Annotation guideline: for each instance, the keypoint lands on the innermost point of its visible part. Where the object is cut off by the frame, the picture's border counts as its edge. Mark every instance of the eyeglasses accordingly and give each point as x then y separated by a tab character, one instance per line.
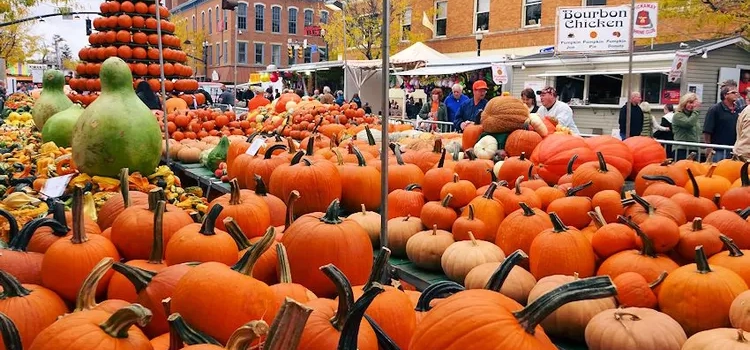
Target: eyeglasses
733	92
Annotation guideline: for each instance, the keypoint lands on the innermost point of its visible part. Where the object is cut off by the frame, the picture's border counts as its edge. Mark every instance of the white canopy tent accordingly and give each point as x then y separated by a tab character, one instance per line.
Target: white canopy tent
418	52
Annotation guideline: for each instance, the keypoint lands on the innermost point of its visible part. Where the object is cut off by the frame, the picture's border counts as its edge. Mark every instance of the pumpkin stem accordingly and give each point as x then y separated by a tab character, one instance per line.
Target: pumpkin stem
745	213
208	227
350	329
696	189
434	230
598	218
157	246
125	187
344	292
701	261
260	186
582	289
364	209
662	178
455	178
181	331
493	176
339	157
471	211
370	138
397	152
490	190
435	291
153	197
293	197
21	241
379	268
501	273
86	298
472	239
441	162
9	331
306	162
717	200
285	272
470	154
297	157
710	172
58	213
734	250
571	162
691	156
246	264
658	280
331	216
384	341
697	224
235	197
574	190
361	161
744	178
557	223
139	277
522	156
710	159
291	147
620	314
269	152
246	335
11	286
79	233
669	161
740	336
647	243
527	210
286	329
530	175
235	231
310	149
518	185
447	200
644	203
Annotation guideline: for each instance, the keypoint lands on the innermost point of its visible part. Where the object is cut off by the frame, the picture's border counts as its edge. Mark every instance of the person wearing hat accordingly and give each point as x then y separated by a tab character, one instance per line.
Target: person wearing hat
558	109
471	110
257	101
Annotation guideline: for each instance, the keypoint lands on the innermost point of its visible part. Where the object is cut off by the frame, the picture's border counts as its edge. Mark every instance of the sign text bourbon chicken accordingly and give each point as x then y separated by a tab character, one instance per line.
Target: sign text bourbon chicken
592	29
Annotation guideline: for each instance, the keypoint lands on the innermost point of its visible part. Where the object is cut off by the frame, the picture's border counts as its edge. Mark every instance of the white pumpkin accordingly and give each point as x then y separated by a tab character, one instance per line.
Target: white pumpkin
486	147
496	168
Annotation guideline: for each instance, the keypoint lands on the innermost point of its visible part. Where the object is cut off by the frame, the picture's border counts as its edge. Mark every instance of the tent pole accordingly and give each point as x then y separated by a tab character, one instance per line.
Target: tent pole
163	79
384	127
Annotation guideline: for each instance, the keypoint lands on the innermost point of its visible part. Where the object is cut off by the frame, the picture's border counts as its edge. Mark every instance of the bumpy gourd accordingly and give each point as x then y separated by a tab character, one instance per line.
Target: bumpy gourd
52	100
59	128
117	130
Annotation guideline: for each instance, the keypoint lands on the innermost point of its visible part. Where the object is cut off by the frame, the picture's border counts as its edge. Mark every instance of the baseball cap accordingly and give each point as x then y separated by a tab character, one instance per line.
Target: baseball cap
479	85
547	90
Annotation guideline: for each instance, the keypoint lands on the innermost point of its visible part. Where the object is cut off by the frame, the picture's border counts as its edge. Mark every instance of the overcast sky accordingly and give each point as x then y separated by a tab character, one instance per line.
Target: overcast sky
73	30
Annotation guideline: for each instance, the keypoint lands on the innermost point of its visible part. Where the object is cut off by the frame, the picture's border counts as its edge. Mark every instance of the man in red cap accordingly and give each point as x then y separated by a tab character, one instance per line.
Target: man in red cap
470	111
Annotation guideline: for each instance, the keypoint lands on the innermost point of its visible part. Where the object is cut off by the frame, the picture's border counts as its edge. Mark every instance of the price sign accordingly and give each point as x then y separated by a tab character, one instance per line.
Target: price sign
55	187
255	146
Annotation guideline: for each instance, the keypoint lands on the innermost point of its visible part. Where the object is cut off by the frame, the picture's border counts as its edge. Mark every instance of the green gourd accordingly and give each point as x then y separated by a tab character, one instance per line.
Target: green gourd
52	100
59	128
117	130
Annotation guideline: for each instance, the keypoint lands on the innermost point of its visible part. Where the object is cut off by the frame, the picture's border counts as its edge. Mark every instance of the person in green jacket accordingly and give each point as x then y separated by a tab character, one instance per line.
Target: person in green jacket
685	124
435	109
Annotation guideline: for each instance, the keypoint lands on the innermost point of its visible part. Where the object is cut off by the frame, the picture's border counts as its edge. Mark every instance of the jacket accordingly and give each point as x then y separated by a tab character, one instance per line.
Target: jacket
685	127
636	120
442	112
469	112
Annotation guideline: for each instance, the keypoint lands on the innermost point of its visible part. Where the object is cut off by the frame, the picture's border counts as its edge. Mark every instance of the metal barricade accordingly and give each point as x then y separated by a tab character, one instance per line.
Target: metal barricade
424	124
685	148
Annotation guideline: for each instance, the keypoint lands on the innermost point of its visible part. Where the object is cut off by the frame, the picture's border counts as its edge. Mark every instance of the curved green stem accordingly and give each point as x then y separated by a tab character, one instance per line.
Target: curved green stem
332	214
286	330
310	150
86	298
658	280
557	223
385	342
236	233
490	192
118	324
441	162
571	163
247	262
527	210
297	157
648	244
21	241
11	286
289	217
260	186
435	291
662	178
644	203
397	153
379	268
285	271
602	163
574	190
79	233
274	148
701	261
208	227
501	273
447	200
9	331
157	246
734	250
243	337
187	334
696	189
125	186
344	292
350	329
139	277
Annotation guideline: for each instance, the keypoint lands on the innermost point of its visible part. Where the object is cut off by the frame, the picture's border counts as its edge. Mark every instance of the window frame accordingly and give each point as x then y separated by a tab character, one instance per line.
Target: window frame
210	22
524	6
404	24
225	52
226	19
238	16
662	86
292	20
476	17
195	23
209	54
272	19
262	16
327	16
256	45
436	19
240	51
304	17
218	53
307	55
585	3
273	61
203	19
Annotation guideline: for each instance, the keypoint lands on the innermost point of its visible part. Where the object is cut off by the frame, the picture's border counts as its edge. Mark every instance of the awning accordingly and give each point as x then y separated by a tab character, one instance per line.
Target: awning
601	72
444	70
418	52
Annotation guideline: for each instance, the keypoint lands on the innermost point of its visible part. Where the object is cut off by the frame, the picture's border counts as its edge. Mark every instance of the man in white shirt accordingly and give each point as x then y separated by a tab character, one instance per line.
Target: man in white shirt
558	109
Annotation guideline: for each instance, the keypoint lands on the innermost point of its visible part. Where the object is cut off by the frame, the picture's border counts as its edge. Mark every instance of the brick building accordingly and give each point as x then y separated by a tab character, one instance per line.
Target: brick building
262	30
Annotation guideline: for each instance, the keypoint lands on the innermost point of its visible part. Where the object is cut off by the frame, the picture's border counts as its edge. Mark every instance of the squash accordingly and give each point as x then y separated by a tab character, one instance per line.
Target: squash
718	338
425	249
462	256
175	104
400	229
486	147
634	328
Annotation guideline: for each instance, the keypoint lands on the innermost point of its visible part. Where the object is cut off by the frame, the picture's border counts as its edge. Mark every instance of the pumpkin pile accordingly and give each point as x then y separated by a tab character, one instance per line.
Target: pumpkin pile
128	30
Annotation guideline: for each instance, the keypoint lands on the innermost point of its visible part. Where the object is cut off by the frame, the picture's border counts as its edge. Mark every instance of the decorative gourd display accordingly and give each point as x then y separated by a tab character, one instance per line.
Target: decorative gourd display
109	138
59	127
634	328
462	256
504	114
52	100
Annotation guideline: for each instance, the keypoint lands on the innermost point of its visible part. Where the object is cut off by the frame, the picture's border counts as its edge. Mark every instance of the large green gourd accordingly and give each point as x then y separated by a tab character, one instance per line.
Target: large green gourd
52	100
59	128
117	130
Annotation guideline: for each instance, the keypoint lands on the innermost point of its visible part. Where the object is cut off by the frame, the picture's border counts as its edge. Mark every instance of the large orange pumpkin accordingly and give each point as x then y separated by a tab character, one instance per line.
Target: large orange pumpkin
284	99
551	156
645	151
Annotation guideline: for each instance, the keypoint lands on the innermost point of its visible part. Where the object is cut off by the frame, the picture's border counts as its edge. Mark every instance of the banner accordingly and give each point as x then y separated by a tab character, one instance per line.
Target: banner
678	65
592	29
499	73
646	18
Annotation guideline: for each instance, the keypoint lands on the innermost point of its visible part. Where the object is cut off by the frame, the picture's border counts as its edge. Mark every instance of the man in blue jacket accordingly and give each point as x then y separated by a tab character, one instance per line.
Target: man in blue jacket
454	100
471	110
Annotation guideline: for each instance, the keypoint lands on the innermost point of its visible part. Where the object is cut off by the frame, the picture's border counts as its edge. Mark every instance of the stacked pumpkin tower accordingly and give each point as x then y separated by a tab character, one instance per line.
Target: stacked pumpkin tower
127	29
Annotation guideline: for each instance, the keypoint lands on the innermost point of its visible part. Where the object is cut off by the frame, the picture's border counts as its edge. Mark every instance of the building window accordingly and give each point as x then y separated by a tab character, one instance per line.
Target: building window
292	20
308	55
607	91
242	52
570	87
242	16
203	20
210	24
218	24
209	54
595	2
276	55
218	55
532	13
324	17
406	24
276	19
657	89
226	19
308	17
259	16
441	18
195	23
482	15
226	53
259	53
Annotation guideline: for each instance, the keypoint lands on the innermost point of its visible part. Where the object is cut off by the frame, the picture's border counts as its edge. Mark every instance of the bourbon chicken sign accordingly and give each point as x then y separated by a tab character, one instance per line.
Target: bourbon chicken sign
592	29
